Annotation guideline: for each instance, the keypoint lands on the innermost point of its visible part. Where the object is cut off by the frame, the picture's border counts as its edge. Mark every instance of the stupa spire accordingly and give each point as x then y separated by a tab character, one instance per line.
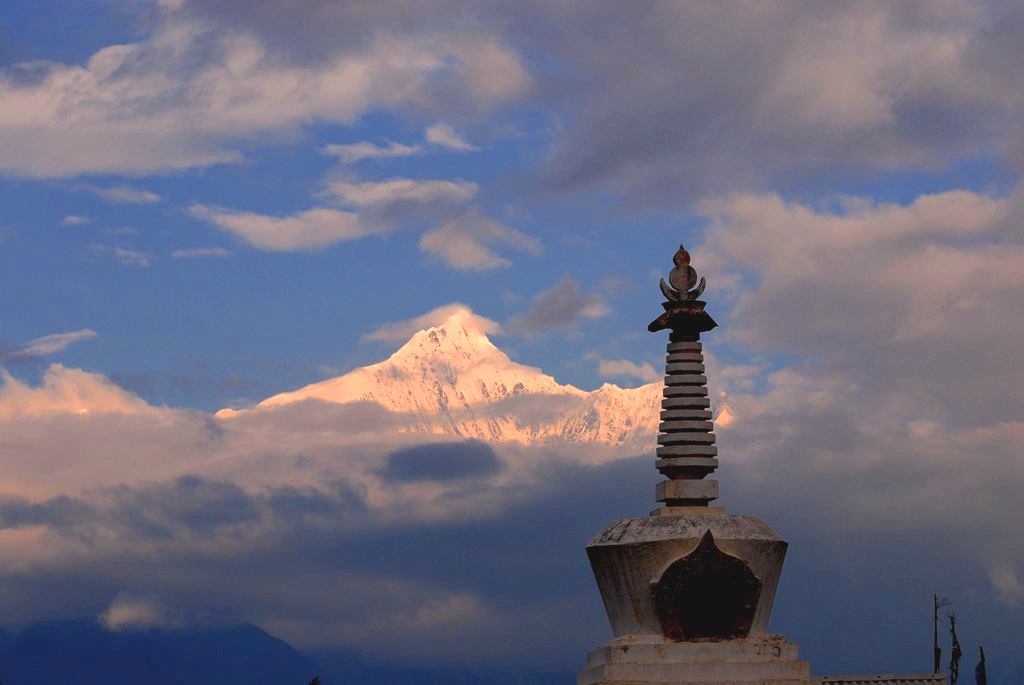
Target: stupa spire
686	440
689	588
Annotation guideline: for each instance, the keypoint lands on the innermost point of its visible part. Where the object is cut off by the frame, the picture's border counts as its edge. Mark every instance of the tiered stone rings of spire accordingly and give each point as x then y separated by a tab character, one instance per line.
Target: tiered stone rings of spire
686	440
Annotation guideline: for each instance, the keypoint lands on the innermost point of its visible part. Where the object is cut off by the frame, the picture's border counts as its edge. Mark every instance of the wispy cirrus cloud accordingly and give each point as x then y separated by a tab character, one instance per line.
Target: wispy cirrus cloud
200	253
466	242
49	344
463	238
363	194
371	208
446	137
438	136
124	255
308	230
351	153
121	194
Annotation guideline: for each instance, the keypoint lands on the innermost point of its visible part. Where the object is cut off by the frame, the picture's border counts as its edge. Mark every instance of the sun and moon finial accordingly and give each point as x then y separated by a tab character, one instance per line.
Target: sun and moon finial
684	313
681	279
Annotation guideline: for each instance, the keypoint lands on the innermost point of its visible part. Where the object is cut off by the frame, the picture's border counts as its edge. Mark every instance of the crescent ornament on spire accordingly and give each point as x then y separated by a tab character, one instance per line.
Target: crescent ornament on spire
681	279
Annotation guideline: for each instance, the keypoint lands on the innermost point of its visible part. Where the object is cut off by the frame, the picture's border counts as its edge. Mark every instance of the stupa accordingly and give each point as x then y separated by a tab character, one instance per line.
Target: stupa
689	588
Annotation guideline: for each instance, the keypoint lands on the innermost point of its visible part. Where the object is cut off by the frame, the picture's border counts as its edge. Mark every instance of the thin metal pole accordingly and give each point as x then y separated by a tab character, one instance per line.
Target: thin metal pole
936	650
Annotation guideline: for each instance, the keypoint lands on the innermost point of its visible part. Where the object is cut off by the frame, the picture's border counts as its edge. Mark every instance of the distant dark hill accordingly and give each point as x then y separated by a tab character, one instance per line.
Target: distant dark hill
84	653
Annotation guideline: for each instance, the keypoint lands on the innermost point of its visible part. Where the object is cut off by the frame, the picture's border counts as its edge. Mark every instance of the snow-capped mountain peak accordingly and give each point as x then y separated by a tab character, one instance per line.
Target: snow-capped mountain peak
451	379
458	341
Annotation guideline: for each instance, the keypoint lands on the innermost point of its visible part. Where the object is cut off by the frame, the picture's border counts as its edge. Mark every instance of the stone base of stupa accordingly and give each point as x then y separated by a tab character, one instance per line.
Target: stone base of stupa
650	660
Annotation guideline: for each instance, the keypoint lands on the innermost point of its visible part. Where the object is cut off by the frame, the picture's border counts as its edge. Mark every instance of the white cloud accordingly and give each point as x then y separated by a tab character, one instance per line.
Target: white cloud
563	305
131	257
623	368
450	314
51	344
840	87
309	230
445	136
134	499
121	230
75	220
122	194
1006	582
198	90
355	152
465	242
231	510
724	415
464	239
892	332
438	135
399	190
124	255
940	264
911	313
128	612
66	391
200	253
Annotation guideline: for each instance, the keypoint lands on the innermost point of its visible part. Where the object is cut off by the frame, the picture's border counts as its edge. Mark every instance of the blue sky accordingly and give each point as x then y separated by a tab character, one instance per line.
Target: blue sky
252	322
274	320
208	202
247	322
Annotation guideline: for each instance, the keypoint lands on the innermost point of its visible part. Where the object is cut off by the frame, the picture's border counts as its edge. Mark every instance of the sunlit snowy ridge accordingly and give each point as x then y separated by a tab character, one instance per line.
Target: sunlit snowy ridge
451	379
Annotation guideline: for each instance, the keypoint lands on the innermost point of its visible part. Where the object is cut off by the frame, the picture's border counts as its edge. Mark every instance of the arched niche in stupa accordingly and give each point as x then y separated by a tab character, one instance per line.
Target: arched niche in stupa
707	594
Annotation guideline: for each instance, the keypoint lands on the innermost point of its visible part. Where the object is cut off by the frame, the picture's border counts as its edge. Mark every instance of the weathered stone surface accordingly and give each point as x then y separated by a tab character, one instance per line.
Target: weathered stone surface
883	679
685	357
686	379
660	582
759	659
700	414
685	391
631	554
686	439
687	451
689	589
692	468
686	403
668	490
684	367
688	510
680	424
640	650
702	462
